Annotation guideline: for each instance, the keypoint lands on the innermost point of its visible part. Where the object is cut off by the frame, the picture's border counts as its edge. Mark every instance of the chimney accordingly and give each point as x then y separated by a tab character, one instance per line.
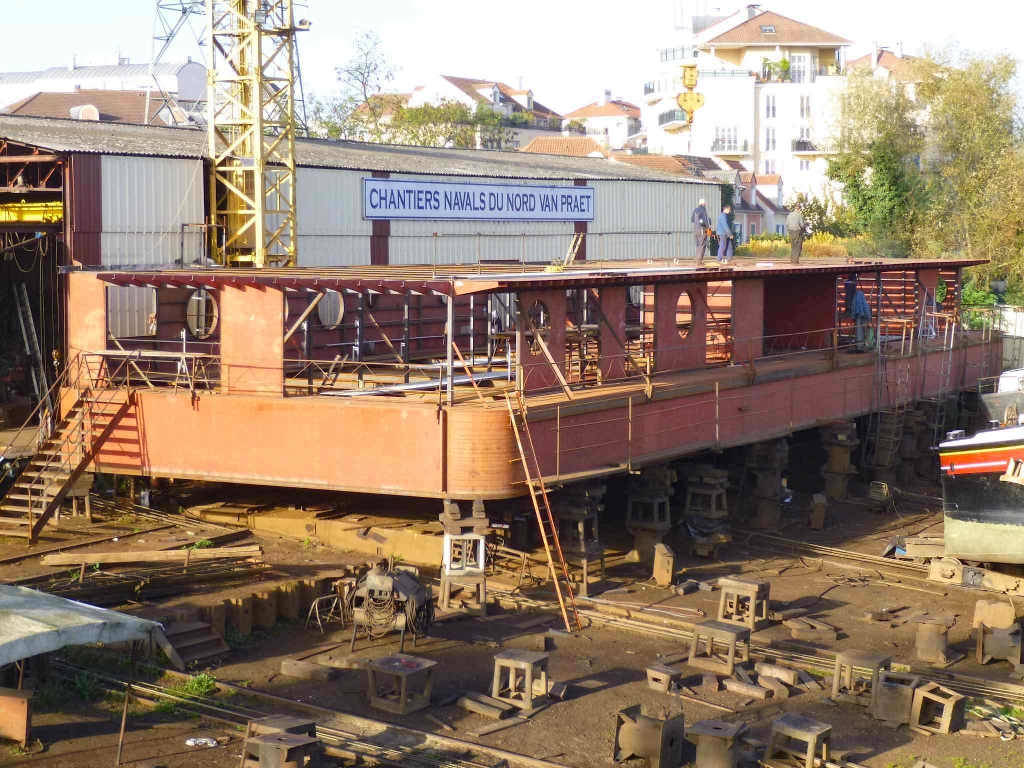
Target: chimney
874	54
606	96
71	64
520	83
899	50
752	10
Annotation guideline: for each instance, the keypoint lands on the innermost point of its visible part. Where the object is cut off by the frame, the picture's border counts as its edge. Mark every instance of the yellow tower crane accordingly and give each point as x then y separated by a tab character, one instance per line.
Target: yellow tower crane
253	77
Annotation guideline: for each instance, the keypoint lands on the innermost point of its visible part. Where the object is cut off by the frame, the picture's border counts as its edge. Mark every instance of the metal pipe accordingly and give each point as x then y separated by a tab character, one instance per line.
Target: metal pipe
450	333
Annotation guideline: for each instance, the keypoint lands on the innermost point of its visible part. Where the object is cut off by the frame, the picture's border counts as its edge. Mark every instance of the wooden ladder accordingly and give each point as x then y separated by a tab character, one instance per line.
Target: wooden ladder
545	519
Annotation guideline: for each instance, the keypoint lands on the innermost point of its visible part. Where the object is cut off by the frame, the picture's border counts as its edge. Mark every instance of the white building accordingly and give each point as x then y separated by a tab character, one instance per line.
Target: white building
770	86
187	80
526	116
609	121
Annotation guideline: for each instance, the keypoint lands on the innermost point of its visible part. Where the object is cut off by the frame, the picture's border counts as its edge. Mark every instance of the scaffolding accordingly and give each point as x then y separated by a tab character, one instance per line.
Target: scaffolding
251	118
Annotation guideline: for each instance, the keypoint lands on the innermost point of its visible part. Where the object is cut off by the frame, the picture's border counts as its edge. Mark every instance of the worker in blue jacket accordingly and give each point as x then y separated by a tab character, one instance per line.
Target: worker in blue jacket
725	236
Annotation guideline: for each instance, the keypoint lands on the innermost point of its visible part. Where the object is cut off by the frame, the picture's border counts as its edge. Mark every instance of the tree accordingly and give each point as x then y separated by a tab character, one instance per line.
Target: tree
448	124
361	108
975	159
879	145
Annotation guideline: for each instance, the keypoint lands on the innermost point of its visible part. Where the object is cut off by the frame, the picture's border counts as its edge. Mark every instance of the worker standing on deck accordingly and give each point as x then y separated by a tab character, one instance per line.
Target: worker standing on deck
861	313
795	228
725	236
701	227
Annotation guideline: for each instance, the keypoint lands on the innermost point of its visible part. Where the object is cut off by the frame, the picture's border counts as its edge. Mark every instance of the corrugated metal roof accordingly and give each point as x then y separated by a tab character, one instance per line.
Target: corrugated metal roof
104	70
123	139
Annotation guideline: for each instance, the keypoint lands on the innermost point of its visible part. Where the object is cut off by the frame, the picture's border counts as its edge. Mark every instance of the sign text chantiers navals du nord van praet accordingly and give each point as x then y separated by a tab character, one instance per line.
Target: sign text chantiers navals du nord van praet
441	200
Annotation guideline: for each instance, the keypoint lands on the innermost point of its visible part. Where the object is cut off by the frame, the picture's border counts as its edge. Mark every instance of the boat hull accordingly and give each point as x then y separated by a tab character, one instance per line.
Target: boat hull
984	517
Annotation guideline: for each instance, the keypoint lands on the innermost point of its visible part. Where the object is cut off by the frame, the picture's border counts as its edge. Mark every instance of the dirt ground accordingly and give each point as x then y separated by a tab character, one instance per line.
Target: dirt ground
604	666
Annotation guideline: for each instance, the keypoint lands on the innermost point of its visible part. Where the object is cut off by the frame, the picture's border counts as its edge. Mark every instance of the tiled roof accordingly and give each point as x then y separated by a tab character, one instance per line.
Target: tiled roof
769	179
901	68
666	163
608	109
567	146
787	32
470	86
736	165
770	204
113	106
701	163
70	136
746	176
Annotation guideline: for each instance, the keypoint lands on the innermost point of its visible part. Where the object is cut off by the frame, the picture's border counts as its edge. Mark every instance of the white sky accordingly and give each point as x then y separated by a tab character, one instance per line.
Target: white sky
567	51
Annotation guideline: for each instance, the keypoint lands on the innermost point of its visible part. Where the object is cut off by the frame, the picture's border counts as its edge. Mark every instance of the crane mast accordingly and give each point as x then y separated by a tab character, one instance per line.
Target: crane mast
251	124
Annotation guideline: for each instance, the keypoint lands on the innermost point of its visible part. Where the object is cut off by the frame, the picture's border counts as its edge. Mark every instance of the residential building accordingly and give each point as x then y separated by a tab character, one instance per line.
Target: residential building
770	86
684	165
186	80
567	146
102	105
888	64
610	121
526	116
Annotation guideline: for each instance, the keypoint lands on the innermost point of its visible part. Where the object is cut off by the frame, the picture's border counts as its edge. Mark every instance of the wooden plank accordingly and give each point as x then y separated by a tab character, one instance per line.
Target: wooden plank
746	689
153	556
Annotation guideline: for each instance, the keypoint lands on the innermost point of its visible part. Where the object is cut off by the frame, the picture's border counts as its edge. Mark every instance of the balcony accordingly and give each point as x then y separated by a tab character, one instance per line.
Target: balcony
649	88
810	147
674	119
799	75
677	54
730	147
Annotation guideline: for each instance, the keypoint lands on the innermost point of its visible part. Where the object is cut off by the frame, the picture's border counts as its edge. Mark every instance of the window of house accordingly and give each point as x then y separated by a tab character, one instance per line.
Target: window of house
805	165
768	29
769	139
737	231
798	68
769	166
805	133
753	230
805	105
769	105
779	229
726	139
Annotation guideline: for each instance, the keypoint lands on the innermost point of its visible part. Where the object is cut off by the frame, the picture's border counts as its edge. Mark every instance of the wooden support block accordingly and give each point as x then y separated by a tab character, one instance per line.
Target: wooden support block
787	614
746	689
808	681
785	674
264	611
307	670
777	687
159	556
743	676
216	616
288	601
241	615
711	683
487	710
309	593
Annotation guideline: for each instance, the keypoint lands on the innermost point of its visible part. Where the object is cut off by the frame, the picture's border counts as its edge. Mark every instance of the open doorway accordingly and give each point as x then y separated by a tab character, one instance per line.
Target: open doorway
719	323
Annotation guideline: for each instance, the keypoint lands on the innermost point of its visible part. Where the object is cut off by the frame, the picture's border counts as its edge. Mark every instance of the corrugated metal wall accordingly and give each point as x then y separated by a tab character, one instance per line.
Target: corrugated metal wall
646	220
145	202
332	231
467	242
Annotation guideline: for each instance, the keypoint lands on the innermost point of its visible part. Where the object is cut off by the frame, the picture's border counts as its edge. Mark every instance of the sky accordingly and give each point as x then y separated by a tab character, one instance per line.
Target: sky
567	51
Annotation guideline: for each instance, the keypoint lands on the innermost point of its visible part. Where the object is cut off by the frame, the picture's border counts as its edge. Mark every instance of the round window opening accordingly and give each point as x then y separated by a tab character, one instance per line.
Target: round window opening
684	314
202	314
331	310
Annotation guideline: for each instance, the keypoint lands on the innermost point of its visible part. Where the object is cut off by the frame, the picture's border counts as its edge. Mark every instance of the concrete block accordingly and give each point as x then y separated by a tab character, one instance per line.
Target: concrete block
711	683
993	613
746	689
785	674
894	697
308	670
240	616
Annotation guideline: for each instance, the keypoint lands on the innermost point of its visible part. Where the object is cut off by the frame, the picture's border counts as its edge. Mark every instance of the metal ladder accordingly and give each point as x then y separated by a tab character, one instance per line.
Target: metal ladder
37	369
944	376
545	519
893	395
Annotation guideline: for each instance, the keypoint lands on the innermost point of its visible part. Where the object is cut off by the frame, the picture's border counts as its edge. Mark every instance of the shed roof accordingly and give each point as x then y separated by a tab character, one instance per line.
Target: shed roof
113	106
34	622
100	70
76	136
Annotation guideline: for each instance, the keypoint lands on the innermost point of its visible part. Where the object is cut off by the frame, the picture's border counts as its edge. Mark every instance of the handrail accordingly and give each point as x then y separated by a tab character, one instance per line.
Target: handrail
48	397
69	437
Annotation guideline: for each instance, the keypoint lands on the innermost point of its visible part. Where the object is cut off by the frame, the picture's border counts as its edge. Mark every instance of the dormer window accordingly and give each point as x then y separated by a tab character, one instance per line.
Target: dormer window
529	100
496	95
768	29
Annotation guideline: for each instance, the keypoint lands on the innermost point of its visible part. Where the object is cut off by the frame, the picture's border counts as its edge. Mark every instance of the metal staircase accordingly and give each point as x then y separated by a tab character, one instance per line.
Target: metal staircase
945	326
545	519
63	450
